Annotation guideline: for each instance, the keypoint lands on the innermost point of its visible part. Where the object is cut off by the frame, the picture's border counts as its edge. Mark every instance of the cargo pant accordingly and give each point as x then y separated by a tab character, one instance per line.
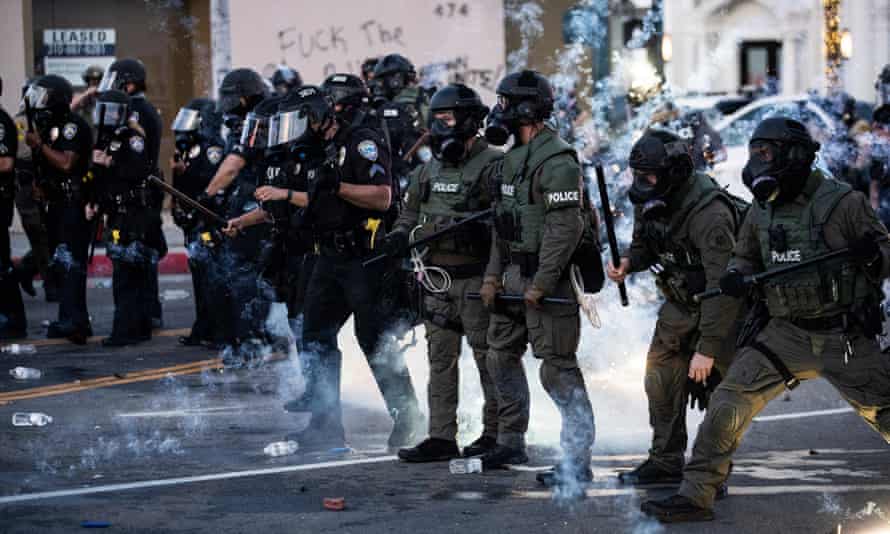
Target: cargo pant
448	317
752	381
554	332
667	368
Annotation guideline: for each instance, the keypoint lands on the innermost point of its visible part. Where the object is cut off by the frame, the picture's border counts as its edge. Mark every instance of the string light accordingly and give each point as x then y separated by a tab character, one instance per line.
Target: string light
833	56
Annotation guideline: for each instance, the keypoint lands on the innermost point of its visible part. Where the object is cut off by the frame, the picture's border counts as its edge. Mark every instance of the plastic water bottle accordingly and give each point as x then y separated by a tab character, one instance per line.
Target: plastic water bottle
31	419
15	348
25	373
281	448
465	466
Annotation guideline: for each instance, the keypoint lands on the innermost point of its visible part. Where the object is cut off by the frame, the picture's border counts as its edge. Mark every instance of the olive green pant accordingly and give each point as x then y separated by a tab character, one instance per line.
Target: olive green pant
752	381
31	214
667	368
554	332
447	318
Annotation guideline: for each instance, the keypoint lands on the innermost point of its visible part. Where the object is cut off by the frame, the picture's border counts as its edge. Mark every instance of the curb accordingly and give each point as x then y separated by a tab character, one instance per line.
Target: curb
175	262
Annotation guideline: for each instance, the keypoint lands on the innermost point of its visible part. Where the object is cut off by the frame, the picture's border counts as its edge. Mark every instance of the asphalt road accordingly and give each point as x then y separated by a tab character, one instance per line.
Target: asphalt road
181	449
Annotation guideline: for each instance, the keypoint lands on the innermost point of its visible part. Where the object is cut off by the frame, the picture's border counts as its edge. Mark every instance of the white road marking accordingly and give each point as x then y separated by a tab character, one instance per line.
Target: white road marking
188	480
800	415
187	412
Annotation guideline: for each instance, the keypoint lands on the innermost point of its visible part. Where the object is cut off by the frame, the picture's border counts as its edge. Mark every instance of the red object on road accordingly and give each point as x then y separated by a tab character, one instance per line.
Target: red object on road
334	504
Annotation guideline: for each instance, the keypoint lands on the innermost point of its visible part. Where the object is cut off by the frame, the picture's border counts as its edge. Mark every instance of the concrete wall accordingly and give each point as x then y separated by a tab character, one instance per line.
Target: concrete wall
15	24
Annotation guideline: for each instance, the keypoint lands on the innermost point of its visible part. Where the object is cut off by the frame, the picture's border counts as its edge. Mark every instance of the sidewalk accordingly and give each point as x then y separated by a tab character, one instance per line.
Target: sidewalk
175	262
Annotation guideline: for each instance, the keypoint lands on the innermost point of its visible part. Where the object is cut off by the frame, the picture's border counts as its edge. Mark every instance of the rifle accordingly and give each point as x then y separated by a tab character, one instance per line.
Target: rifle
610	228
416	146
757	278
520	298
188	201
436	235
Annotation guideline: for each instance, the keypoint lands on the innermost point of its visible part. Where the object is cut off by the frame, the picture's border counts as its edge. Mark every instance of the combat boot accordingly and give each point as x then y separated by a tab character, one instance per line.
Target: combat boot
481	446
649	473
430	450
566	475
676	509
501	456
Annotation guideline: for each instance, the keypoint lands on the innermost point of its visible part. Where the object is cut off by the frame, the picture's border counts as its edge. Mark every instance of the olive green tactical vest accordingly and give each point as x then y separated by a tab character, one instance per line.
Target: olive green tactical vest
410	96
823	290
671	242
449	193
517	179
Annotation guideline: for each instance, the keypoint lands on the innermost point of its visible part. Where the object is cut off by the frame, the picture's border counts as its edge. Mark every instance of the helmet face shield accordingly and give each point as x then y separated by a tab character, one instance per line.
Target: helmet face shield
254	131
109	114
187	120
37	97
287	126
108	81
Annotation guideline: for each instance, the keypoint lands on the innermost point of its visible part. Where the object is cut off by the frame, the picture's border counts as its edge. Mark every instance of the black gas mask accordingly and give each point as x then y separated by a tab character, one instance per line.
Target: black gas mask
660	163
184	141
497	131
776	172
449	143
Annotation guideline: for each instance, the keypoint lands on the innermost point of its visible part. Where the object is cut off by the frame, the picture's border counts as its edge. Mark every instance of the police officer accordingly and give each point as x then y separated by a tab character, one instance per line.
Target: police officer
684	229
538	226
198	154
61	147
822	319
704	141
368	69
446	189
84	102
128	75
12	310
121	167
349	190
285	80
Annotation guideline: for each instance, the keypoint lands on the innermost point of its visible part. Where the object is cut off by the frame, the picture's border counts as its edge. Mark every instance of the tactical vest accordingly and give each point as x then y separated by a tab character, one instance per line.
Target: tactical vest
450	193
684	274
829	288
518	217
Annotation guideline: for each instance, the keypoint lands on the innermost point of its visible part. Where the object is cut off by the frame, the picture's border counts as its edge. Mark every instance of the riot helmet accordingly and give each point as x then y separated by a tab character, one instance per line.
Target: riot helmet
392	74
239	92
198	117
524	98
882	86
92	75
349	94
49	99
302	116
368	66
255	128
285	80
780	155
661	163
112	110
456	114
122	72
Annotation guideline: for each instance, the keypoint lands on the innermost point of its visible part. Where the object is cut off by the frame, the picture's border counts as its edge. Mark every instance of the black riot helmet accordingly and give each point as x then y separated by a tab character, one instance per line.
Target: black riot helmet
349	94
240	84
255	128
780	155
112	109
122	72
301	119
368	66
49	99
196	119
92	74
661	162
524	98
882	86
392	74
448	139
285	80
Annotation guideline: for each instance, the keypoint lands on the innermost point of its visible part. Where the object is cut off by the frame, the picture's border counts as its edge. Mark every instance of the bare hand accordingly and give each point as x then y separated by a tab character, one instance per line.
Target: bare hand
491	286
533	297
177	166
618	274
90	211
33	140
700	367
267	193
101	158
233	228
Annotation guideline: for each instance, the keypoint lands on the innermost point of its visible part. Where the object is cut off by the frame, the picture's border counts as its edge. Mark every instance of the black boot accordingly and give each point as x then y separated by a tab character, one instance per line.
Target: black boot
430	450
501	456
649	473
481	446
568	474
676	509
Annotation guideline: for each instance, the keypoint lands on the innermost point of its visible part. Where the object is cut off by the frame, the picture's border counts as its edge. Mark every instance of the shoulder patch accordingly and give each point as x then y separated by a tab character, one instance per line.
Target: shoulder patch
720	239
425	153
368	150
214	154
69	131
137	143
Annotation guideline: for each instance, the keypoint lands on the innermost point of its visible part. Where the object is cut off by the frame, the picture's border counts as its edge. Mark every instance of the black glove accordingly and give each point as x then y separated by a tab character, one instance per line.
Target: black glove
866	250
733	284
396	244
700	393
327	182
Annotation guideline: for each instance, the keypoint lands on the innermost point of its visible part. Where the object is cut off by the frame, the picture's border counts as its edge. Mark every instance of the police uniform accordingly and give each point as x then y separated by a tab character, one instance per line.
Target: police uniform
817	326
150	121
441	193
201	161
339	287
692	247
68	229
539	224
12	310
130	239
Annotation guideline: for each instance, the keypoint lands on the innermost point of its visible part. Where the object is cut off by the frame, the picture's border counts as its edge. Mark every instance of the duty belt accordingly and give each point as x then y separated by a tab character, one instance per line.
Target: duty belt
349	243
823	323
133	196
527	262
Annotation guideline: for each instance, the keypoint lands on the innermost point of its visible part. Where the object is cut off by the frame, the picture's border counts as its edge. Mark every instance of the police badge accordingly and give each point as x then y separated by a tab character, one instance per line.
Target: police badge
69	131
368	150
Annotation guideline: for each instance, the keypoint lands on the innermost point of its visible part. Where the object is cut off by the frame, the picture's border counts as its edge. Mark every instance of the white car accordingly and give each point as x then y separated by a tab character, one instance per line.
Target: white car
736	129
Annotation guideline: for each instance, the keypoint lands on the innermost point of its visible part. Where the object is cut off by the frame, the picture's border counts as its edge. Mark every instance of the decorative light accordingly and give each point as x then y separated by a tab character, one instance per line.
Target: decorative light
846	44
667	48
833	57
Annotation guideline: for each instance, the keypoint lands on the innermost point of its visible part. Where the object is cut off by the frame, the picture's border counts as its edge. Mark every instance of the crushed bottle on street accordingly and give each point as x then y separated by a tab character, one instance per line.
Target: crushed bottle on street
25	373
281	448
31	419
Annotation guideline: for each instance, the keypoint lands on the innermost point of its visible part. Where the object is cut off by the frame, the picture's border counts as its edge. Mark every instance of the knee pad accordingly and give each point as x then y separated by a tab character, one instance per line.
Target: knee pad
560	383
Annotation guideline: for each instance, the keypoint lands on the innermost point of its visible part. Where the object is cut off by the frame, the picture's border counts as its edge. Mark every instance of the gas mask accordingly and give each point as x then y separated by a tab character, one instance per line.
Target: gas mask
497	131
184	141
649	190
761	174
658	167
449	143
